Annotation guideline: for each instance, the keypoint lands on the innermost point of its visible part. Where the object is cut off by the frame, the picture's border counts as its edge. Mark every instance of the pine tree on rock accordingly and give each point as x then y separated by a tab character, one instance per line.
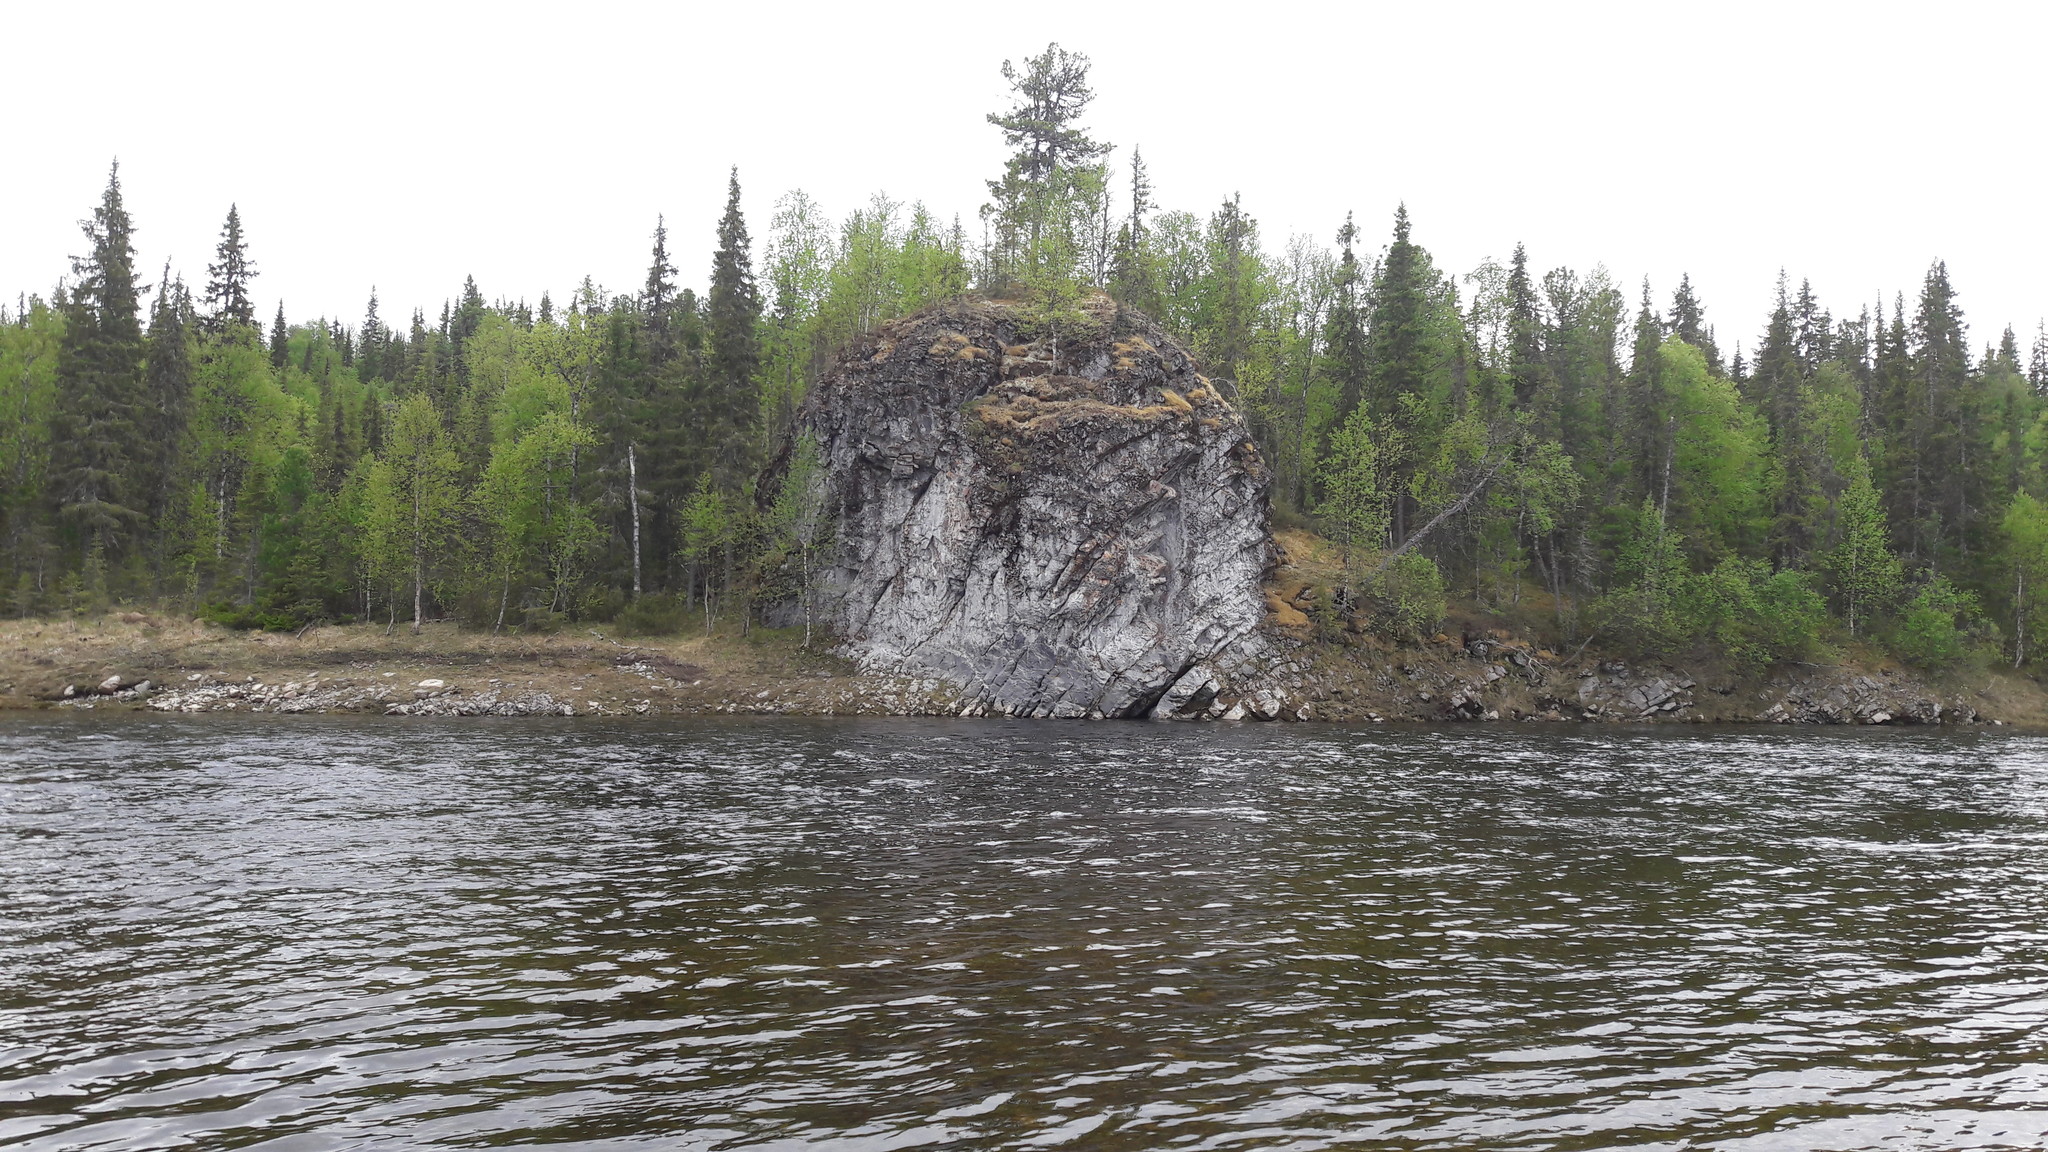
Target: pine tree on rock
1051	93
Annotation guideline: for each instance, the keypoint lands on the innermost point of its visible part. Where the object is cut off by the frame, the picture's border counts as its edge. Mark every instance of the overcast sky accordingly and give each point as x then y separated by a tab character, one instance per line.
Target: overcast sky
407	145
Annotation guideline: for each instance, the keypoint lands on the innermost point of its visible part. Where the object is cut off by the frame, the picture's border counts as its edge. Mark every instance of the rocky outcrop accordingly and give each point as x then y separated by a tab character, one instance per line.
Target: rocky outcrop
1069	524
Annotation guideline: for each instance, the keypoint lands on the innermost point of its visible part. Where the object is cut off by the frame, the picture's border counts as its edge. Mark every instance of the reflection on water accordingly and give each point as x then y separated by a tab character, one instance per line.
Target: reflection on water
788	934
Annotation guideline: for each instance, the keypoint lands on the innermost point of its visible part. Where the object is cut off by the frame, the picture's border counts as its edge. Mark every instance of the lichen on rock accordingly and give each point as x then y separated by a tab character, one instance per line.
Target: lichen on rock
1071	526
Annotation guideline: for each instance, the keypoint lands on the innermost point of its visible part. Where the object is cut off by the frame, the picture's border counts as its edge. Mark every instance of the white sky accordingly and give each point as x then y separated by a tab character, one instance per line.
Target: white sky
407	145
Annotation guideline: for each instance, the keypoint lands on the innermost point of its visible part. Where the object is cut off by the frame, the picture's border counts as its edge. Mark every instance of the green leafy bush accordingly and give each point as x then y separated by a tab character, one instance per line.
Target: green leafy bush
1755	616
1938	625
1407	599
252	617
650	616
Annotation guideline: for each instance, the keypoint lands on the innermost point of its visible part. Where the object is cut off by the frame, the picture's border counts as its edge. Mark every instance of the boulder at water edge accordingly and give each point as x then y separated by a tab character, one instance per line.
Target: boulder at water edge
1066	522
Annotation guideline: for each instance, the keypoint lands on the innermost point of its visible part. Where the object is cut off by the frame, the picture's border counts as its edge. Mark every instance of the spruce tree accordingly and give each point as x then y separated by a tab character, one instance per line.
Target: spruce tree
2037	360
167	384
1344	338
97	440
1397	335
1688	322
658	303
733	316
1942	427
227	283
1527	372
1815	329
280	340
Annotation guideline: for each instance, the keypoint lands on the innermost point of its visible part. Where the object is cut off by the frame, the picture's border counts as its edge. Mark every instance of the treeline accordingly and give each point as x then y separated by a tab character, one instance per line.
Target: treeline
1540	443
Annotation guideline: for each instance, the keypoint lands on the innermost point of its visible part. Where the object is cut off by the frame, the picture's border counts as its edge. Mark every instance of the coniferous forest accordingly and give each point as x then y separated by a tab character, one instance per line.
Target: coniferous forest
1602	459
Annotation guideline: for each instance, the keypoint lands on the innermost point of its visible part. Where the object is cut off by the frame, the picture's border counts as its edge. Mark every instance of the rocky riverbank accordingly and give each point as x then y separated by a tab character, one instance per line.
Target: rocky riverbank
149	663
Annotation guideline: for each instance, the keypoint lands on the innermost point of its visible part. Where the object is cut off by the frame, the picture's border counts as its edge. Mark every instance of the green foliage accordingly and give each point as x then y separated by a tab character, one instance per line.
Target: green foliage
1864	575
1354	498
1938	625
1642	612
651	616
1753	616
2024	529
250	617
1407	601
527	467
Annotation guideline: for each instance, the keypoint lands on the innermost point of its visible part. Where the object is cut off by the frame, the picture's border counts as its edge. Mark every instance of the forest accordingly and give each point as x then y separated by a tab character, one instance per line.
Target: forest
1551	446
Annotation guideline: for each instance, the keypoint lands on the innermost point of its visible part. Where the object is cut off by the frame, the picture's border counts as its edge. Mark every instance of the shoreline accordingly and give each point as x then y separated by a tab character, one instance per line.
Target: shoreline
148	663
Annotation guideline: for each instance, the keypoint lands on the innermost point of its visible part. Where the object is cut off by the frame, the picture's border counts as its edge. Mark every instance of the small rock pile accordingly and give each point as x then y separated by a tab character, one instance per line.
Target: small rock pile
1861	700
431	697
113	688
1615	692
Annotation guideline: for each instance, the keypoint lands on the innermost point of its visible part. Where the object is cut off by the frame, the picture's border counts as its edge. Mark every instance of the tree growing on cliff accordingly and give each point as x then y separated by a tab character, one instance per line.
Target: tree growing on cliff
1048	183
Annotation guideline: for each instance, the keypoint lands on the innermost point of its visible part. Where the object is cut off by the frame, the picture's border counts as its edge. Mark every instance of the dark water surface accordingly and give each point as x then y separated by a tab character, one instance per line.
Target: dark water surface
308	934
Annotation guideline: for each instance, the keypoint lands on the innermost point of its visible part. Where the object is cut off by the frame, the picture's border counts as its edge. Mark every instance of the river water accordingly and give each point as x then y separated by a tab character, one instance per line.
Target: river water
224	932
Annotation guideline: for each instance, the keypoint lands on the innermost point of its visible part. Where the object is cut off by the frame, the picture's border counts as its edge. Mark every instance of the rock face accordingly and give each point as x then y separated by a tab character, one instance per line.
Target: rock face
1066	526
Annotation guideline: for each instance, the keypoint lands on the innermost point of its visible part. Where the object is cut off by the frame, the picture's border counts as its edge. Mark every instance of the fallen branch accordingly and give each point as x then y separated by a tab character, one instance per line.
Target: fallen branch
612	642
1573	658
1456	506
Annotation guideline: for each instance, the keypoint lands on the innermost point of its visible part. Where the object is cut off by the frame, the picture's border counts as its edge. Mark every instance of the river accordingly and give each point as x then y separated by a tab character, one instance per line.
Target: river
314	933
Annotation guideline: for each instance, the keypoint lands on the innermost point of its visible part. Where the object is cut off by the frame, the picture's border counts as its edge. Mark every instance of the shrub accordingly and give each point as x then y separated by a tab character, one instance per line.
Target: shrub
1938	625
252	617
650	616
1754	615
1407	599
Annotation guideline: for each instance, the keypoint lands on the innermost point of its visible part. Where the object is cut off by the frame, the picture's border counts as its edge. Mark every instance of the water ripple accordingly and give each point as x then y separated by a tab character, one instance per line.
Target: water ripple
219	932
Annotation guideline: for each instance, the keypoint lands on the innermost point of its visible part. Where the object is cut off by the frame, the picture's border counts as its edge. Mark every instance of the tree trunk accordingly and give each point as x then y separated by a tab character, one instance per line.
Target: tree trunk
1457	506
2019	620
633	498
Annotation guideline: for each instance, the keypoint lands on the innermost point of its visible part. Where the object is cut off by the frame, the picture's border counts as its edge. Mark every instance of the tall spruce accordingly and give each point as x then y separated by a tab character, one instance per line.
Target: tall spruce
1688	322
1397	353
658	302
96	437
167	384
733	316
228	277
1527	373
280	340
1344	338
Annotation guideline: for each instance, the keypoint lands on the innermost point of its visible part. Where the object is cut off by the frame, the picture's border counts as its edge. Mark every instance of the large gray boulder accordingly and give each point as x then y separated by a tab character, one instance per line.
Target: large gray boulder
1071	526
